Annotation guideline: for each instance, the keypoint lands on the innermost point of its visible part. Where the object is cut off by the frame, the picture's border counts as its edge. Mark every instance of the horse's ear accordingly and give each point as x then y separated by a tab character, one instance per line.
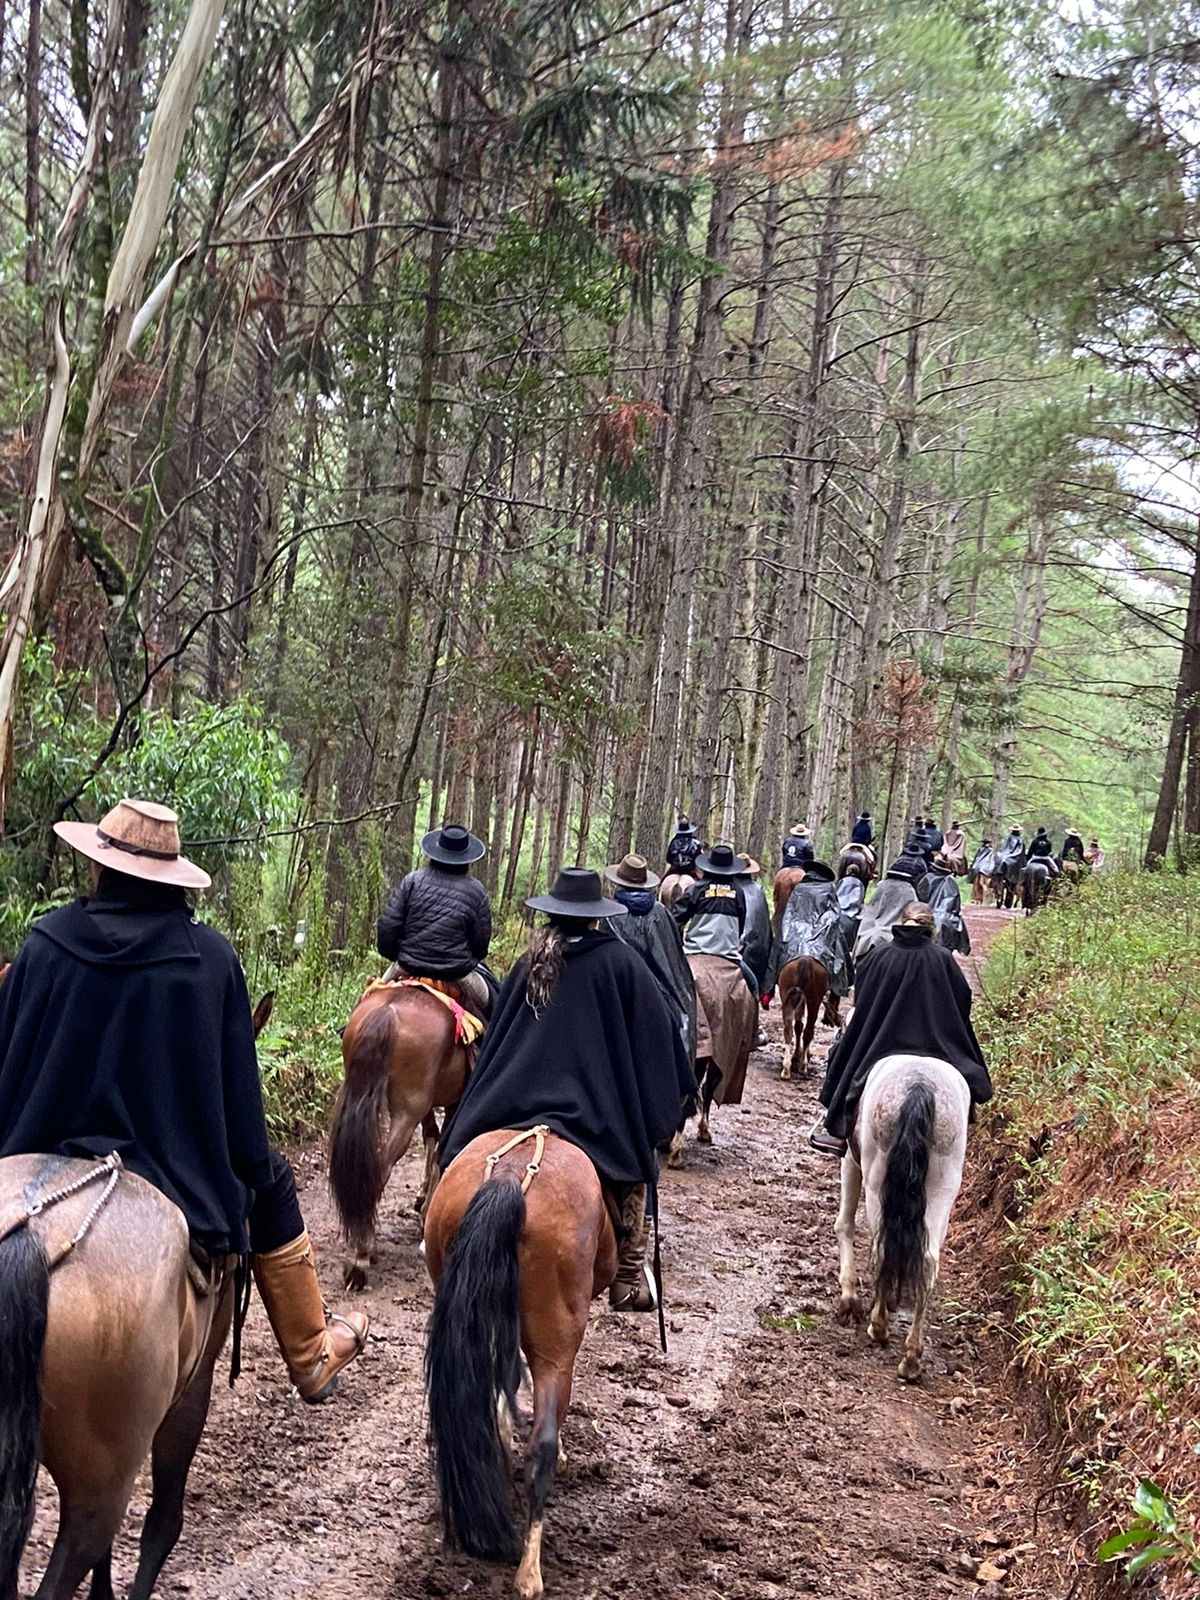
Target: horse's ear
262	1012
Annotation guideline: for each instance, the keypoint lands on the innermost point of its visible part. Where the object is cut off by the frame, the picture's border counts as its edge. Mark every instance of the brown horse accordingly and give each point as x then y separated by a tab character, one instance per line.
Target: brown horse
515	1272
673	886
803	985
113	1332
402	1060
854	862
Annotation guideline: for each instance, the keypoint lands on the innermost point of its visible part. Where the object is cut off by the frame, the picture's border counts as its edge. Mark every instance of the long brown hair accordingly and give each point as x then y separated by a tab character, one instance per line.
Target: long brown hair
545	958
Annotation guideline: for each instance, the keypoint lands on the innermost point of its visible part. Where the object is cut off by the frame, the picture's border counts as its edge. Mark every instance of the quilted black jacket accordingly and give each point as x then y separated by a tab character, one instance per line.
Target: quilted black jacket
437	922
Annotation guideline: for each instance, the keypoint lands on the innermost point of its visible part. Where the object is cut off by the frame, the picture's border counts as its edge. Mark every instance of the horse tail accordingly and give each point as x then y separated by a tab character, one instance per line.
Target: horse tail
472	1358
24	1301
356	1171
902	1241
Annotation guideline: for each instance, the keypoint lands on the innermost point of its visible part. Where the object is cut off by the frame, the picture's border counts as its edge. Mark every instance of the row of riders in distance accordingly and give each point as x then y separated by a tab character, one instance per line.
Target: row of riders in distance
140	1195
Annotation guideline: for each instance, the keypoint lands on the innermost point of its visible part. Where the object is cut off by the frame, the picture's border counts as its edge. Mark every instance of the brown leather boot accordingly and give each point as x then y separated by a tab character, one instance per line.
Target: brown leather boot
633	1287
315	1351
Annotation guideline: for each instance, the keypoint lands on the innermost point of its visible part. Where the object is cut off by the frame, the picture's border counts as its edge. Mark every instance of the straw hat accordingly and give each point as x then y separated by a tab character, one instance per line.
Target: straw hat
632	872
138	838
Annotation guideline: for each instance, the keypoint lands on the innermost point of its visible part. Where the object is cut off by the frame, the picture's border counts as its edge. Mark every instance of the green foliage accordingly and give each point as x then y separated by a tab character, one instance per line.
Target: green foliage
1091	1024
1153	1538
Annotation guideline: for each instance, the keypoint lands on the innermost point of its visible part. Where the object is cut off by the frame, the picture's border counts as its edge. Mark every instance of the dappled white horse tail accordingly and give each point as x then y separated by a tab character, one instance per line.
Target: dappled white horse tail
903	1237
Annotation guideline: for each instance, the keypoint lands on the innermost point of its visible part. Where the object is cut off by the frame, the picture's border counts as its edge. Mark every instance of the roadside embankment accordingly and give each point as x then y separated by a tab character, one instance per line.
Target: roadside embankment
1085	1189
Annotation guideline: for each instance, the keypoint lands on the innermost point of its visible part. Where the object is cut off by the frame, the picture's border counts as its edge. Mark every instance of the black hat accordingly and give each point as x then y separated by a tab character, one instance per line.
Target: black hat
577	892
685	826
453	846
721	862
864	816
819	872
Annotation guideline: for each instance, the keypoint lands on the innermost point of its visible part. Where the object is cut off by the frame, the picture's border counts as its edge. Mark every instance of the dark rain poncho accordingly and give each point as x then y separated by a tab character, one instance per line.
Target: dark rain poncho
811	925
125	1026
939	890
756	935
911	999
603	1064
852	894
650	929
882	913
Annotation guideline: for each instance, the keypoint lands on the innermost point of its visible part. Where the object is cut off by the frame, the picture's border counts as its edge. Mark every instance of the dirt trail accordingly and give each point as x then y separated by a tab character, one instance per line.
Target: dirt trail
769	1453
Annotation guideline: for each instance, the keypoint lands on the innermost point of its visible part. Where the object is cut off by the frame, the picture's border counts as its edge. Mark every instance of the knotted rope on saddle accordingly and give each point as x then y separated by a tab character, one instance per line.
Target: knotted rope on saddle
468	1028
538	1135
110	1169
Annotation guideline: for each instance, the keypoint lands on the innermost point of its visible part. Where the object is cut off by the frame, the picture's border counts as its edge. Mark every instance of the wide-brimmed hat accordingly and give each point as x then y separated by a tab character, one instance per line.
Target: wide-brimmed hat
720	862
632	872
453	846
577	892
864	816
140	839
750	867
819	872
1075	831
799	831
686	826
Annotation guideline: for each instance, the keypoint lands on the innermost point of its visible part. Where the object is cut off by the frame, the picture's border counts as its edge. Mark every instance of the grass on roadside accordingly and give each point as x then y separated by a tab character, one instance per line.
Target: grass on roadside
1091	1023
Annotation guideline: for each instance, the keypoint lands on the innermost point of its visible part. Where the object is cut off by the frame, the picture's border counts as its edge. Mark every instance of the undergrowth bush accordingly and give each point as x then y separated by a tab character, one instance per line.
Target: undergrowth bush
1091	1023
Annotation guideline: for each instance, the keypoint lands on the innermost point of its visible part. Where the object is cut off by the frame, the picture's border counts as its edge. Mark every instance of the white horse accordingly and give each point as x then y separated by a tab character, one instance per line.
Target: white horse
907	1150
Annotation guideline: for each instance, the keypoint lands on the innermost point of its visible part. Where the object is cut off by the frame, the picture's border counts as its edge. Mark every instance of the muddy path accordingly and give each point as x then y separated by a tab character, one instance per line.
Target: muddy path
768	1453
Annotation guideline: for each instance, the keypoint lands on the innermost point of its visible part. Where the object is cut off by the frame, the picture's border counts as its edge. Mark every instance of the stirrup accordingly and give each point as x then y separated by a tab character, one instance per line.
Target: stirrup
325	1391
633	1292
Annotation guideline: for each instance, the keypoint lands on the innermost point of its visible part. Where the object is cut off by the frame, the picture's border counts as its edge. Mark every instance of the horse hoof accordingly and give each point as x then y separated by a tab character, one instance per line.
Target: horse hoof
354	1276
675	1160
786	1074
877	1332
849	1312
703	1135
528	1588
910	1369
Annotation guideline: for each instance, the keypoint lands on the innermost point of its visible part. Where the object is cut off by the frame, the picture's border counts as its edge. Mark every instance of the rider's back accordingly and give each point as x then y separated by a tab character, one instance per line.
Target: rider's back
437	922
125	1026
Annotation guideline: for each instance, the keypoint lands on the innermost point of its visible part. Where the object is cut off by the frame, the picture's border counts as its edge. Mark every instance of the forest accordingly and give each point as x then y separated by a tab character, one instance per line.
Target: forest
547	416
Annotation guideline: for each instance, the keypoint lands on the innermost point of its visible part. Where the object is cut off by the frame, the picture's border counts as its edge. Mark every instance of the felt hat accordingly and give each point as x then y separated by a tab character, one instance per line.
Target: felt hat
1074	833
750	867
720	862
577	892
140	839
632	872
453	846
864	816
819	872
799	831
686	826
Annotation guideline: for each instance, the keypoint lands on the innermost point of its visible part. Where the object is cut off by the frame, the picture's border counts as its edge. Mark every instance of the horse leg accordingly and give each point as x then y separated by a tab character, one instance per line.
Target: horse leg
430	1134
849	1306
551	1396
102	1588
941	1189
675	1155
833	1005
401	1128
175	1445
812	1001
711	1079
87	1526
788	1007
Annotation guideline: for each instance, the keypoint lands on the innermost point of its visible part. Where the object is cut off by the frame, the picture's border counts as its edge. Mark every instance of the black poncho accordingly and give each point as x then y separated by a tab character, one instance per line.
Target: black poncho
912	999
811	925
649	928
603	1064
125	1026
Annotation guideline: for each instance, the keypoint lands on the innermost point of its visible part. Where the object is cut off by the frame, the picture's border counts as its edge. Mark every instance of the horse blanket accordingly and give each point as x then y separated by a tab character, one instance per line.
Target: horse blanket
811	925
882	913
726	1022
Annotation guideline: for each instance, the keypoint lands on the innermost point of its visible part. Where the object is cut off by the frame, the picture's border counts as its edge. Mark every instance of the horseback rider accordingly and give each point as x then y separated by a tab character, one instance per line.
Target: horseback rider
934	834
954	848
1072	849
894	893
1094	855
1042	849
438	923
797	849
939	890
125	1026
582	1042
684	847
863	831
911	999
712	914
648	927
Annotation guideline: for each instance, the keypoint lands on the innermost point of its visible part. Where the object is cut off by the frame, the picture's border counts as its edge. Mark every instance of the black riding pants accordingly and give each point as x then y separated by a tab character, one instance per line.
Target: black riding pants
275	1216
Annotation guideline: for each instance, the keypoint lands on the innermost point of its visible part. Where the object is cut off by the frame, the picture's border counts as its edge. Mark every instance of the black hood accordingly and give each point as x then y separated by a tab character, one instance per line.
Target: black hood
140	932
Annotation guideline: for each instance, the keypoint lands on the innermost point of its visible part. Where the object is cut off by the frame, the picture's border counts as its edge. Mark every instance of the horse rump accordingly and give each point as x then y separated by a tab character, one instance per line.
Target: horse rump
472	1360
902	1241
24	1303
356	1169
